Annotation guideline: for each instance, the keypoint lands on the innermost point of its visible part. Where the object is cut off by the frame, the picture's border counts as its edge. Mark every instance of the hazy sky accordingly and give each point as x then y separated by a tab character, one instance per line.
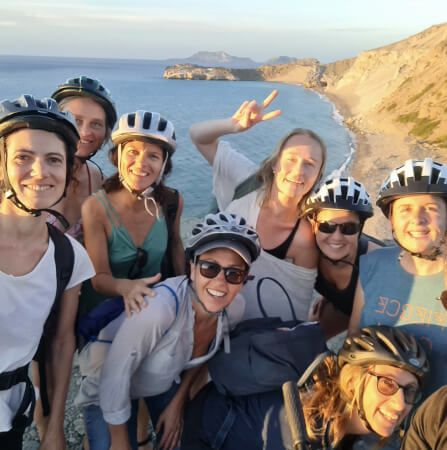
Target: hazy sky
261	29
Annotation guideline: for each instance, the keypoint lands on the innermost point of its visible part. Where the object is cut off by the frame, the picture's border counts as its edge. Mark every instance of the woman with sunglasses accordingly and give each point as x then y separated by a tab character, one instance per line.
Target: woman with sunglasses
37	147
94	110
338	210
401	286
369	388
273	204
130	225
180	329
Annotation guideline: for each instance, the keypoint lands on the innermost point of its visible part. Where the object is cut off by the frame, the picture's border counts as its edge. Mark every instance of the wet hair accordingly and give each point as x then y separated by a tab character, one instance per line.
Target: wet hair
113	183
265	172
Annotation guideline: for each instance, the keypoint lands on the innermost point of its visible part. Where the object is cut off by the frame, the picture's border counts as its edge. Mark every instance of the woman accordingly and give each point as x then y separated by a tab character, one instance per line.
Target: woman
130	226
37	146
369	388
179	329
285	273
400	286
94	110
338	210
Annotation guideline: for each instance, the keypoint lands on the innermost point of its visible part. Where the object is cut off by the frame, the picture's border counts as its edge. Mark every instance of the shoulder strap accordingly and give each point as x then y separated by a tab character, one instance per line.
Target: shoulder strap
110	211
170	208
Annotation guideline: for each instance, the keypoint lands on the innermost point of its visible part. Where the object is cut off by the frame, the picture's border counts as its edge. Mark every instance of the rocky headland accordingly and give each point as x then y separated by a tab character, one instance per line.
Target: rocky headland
394	98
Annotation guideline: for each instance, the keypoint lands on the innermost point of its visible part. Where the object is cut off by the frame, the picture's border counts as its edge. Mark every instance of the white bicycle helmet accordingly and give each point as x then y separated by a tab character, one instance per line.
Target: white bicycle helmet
341	193
145	124
224	230
414	177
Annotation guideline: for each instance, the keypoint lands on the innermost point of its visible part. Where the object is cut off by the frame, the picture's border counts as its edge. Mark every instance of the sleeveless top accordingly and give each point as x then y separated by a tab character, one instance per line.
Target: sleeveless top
122	253
342	299
281	250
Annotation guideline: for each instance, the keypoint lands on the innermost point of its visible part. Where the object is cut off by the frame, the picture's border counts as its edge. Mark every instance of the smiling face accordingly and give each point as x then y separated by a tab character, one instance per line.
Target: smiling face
36	164
336	245
90	122
385	413
141	163
216	293
298	166
419	222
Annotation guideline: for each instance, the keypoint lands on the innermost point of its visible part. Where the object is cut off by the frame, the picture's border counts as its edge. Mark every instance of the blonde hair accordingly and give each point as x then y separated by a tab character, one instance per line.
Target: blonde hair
332	398
265	172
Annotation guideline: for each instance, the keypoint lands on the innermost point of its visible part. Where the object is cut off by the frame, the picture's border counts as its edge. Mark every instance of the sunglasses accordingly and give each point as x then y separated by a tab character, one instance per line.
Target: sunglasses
232	275
348	228
136	269
389	386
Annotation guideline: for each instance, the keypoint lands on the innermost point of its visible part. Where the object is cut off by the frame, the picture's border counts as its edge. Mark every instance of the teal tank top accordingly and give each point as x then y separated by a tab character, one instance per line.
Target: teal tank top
122	253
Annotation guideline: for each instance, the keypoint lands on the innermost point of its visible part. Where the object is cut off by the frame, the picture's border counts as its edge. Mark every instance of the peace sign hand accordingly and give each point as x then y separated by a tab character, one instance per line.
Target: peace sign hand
250	113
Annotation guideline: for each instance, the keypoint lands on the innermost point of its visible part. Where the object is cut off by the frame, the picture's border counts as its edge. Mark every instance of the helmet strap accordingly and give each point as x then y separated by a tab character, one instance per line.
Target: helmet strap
432	256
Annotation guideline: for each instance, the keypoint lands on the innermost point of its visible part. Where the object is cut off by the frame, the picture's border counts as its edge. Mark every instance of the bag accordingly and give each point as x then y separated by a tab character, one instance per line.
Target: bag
64	260
170	208
265	353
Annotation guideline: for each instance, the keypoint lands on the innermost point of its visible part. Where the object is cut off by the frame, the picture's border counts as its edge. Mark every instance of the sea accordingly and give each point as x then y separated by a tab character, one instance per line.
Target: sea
139	84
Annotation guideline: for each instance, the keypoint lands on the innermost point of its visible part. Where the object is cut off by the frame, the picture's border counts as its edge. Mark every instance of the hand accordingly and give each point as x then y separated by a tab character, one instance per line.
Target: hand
171	420
250	113
53	439
134	291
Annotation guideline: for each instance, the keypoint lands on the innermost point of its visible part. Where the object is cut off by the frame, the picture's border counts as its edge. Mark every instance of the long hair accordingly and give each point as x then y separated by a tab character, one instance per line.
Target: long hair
265	172
113	183
332	397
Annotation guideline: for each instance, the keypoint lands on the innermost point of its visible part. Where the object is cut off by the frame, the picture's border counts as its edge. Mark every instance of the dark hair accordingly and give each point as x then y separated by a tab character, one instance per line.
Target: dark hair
113	183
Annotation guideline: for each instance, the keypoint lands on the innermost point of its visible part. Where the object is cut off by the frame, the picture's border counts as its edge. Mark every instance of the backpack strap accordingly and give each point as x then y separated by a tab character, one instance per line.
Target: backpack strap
170	209
64	260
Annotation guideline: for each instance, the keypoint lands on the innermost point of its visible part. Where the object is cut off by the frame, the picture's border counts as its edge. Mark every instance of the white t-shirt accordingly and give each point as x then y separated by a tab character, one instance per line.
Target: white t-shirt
26	304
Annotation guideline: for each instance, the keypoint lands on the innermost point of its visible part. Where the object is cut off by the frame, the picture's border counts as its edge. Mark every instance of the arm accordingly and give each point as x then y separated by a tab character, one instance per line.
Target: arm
177	251
119	437
205	135
60	365
303	250
94	220
359	303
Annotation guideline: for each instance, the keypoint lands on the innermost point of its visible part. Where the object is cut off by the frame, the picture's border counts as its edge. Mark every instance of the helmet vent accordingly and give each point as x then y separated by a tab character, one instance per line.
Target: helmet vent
356	196
131	120
417	173
162	124
402	180
435	174
147	118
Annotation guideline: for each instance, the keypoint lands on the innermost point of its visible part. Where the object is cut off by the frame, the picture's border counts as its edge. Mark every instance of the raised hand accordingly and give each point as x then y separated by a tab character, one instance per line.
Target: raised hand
134	291
250	113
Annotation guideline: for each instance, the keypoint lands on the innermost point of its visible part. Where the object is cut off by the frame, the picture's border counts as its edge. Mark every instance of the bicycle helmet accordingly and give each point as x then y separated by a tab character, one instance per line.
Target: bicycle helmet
145	124
341	193
388	346
88	87
414	177
224	230
41	114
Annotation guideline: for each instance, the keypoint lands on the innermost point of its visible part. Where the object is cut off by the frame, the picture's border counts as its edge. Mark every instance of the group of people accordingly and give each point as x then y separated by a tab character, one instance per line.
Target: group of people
76	247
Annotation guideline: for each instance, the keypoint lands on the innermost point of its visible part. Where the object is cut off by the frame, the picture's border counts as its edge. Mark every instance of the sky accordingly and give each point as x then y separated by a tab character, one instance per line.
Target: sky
260	29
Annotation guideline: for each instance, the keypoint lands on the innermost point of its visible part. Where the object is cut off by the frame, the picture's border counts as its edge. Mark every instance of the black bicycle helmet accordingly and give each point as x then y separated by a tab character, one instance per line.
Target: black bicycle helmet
224	230
88	87
341	193
414	177
388	346
41	114
145	124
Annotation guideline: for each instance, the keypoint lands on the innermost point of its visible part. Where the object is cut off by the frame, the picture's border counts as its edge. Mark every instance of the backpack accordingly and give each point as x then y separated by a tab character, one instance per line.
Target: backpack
170	208
263	357
64	260
250	184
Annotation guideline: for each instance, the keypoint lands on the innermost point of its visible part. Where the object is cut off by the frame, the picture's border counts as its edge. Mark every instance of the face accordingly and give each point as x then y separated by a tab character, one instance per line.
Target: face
90	122
336	245
419	222
36	164
385	413
298	166
141	163
216	293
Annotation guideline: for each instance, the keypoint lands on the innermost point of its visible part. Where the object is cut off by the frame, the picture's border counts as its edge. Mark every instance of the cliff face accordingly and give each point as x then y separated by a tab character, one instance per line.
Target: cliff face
194	72
400	86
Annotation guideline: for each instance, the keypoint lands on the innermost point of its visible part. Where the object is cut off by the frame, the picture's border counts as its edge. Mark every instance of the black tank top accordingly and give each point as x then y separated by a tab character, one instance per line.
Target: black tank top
342	299
281	250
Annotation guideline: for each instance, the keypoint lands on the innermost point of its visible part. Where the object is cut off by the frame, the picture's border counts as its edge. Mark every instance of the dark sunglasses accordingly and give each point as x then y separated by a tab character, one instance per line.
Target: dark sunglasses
388	386
136	269
348	228
232	275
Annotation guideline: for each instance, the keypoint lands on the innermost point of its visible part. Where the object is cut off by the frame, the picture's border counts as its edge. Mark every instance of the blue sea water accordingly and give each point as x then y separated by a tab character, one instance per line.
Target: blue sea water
138	84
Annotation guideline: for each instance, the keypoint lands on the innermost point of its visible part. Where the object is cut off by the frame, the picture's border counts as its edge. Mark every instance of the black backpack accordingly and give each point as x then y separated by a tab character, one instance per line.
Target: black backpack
64	260
170	208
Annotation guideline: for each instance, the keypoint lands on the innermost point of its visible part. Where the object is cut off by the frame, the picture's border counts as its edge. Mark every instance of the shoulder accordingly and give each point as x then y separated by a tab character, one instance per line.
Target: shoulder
95	176
304	236
83	268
